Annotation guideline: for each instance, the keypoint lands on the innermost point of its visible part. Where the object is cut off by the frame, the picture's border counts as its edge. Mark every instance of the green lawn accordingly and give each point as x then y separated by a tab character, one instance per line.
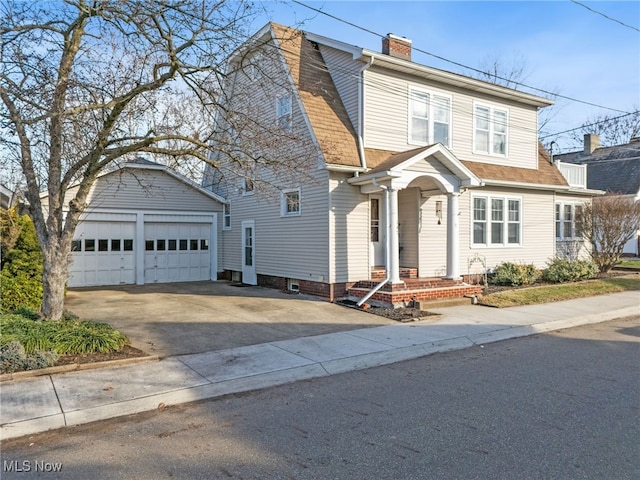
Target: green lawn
630	263
555	293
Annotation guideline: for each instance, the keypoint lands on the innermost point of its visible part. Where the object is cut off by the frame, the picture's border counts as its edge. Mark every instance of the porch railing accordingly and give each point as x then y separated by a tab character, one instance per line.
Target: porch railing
575	175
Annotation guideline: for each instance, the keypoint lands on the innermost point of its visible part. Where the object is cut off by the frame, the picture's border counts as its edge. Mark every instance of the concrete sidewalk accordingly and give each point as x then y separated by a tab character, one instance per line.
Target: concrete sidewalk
42	403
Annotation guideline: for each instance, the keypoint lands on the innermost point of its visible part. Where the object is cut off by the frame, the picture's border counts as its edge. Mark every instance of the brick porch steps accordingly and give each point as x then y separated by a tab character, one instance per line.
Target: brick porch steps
420	289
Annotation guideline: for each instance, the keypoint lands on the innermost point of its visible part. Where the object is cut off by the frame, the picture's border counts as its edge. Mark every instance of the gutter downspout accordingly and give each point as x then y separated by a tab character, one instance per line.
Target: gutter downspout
359	135
387	248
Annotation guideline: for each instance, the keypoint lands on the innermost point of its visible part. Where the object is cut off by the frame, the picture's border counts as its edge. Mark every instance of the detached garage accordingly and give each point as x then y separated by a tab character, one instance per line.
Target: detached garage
145	224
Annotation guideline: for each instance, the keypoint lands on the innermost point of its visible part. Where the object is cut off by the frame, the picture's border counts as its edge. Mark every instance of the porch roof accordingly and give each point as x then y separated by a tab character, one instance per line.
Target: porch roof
395	165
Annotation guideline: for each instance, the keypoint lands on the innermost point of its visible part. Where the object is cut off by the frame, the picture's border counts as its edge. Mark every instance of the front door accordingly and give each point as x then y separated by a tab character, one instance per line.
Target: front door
249	253
377	230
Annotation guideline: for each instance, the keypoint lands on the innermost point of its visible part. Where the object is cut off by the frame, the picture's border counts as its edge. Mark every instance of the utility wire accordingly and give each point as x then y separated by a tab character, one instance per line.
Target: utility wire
605	16
590	125
460	64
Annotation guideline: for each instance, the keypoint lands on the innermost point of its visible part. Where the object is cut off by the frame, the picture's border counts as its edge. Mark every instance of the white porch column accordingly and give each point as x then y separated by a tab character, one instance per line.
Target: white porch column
453	236
393	251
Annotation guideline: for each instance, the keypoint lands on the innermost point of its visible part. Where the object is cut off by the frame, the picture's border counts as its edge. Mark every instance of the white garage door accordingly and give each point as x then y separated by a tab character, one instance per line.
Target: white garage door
102	254
177	252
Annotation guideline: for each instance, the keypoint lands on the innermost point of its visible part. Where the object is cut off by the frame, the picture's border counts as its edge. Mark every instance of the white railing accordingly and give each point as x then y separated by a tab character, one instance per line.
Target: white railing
576	175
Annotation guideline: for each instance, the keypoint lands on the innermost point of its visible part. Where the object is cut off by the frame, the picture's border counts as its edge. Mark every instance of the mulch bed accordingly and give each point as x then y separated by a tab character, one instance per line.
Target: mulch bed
126	352
403	314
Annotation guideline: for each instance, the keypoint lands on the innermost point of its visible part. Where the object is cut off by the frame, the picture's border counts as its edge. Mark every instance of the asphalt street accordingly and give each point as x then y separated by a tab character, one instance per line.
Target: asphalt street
558	405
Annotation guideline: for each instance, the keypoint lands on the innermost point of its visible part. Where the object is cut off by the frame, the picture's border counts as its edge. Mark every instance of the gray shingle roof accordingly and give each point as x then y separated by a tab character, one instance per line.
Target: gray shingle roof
613	169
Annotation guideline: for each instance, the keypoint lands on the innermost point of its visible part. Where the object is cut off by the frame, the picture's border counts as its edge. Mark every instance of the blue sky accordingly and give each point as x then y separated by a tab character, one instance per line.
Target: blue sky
564	47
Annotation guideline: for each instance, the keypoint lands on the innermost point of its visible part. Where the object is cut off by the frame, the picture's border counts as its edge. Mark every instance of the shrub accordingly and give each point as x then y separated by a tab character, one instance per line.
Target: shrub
88	337
21	275
560	270
13	357
514	274
20	290
64	337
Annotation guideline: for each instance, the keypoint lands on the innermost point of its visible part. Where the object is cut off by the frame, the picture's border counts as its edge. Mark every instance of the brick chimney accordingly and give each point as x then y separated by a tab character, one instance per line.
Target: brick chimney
591	142
398	47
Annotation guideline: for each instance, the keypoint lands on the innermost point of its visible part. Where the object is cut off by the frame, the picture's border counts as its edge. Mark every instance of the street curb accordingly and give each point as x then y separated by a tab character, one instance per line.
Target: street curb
74	367
294	374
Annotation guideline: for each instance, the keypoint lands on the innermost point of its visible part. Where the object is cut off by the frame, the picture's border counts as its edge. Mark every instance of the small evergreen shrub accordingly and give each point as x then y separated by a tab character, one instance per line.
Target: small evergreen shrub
13	358
561	270
515	274
19	290
21	275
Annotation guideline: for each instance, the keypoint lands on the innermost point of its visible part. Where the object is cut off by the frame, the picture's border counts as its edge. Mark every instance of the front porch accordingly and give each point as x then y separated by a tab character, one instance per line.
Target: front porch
411	288
414	219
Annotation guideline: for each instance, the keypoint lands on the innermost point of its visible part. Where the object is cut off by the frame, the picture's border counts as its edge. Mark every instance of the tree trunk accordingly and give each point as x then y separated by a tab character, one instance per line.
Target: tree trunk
54	280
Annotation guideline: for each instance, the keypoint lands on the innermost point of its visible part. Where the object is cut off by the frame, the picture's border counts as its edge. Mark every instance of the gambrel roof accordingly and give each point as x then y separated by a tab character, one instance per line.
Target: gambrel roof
323	106
337	137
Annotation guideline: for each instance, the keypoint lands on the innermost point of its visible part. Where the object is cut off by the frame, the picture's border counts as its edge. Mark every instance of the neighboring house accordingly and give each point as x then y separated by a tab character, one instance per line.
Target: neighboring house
144	223
613	169
6	197
423	178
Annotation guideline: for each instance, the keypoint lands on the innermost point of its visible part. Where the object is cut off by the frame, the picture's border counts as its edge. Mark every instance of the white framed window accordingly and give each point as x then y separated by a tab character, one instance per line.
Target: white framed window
283	112
247	186
226	216
490	130
290	202
497	221
568	221
254	70
429	118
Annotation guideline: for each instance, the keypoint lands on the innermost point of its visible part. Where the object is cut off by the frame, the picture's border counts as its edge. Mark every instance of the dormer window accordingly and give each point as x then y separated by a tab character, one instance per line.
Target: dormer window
429	118
283	112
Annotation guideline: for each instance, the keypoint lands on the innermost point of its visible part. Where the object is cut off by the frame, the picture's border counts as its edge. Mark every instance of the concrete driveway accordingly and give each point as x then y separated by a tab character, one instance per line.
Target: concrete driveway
182	318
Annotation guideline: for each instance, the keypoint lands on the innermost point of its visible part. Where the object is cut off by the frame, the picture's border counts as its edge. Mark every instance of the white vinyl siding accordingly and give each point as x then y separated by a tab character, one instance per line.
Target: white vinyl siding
408	226
386	123
141	189
349	231
433	239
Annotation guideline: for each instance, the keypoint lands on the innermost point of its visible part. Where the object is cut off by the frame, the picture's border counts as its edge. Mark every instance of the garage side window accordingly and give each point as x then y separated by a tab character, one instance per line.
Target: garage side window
173	244
128	245
160	244
183	245
76	245
89	245
204	244
115	245
103	245
149	245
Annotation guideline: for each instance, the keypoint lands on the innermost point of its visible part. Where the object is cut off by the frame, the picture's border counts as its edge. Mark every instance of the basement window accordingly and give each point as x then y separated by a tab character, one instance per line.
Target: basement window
293	285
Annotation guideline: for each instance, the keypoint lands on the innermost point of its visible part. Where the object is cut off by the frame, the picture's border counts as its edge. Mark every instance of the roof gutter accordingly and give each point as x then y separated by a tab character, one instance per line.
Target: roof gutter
360	135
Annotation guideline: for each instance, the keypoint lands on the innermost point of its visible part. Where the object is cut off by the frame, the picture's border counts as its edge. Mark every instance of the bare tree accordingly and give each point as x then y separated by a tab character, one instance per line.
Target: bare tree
612	129
608	223
86	84
511	73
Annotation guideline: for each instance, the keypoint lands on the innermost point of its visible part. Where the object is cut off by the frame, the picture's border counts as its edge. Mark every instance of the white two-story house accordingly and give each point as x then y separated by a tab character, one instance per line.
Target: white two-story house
418	178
